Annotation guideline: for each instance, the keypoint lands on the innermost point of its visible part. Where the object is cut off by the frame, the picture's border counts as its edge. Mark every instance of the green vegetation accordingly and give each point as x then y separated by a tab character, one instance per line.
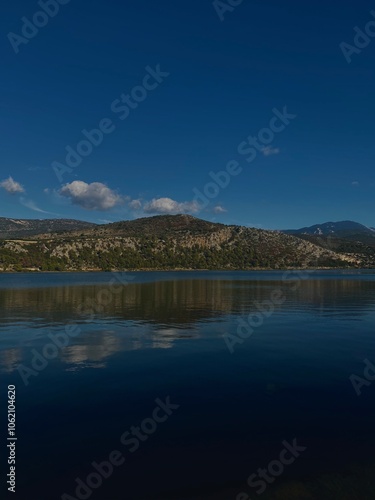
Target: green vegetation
173	242
155	254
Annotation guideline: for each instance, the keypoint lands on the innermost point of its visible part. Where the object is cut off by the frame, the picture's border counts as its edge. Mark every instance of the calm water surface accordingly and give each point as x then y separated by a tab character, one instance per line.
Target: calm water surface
164	335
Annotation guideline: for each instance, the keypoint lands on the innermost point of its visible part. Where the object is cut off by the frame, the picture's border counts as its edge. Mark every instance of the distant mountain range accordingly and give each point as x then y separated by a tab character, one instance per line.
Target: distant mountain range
343	237
344	229
13	228
177	242
21	228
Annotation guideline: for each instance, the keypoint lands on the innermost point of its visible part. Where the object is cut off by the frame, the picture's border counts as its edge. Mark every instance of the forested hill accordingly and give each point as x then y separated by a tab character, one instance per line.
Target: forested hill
170	242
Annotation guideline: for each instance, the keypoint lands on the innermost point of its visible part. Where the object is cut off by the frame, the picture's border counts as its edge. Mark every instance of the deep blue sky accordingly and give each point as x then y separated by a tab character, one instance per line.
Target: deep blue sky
225	79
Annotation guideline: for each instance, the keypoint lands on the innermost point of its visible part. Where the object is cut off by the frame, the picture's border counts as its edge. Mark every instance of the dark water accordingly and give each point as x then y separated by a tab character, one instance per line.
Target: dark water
160	335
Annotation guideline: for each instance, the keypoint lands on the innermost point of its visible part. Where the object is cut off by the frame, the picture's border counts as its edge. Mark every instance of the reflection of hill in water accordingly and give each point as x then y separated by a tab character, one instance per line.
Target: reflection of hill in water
180	303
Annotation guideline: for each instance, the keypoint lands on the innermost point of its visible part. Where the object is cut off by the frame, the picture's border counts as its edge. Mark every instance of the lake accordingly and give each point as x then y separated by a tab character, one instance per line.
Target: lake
185	385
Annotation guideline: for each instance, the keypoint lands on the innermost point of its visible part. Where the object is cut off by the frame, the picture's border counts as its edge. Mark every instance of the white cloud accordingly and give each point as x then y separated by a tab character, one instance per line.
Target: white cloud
135	204
219	209
270	150
11	186
355	183
94	196
169	206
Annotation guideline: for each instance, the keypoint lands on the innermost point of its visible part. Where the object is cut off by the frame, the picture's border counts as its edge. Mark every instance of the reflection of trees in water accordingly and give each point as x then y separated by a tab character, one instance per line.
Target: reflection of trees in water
341	297
180	302
174	302
162	312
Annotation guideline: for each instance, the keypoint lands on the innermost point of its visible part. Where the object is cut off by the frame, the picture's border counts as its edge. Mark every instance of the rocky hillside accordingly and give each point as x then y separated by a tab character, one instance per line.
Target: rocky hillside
170	242
23	228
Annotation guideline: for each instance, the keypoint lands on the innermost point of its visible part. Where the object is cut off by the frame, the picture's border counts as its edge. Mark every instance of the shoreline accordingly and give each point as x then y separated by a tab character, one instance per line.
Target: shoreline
146	270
